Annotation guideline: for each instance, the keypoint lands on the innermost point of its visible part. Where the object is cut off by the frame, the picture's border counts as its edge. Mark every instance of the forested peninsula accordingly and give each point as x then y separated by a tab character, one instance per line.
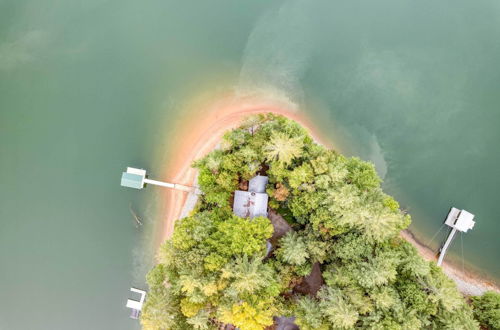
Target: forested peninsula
328	255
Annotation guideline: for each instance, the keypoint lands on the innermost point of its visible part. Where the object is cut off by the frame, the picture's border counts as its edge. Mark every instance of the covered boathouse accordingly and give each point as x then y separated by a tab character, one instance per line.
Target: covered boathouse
136	305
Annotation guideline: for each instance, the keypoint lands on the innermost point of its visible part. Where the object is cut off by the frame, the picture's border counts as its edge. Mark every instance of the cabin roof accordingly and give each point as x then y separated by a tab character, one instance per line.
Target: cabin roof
250	204
258	184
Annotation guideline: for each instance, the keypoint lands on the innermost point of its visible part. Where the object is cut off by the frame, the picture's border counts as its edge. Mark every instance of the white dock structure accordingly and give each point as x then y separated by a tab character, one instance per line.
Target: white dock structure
136	305
136	178
458	220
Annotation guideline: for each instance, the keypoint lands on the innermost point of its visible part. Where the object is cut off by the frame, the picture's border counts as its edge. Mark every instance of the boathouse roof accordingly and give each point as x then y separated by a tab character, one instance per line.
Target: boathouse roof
136	305
460	220
465	221
132	180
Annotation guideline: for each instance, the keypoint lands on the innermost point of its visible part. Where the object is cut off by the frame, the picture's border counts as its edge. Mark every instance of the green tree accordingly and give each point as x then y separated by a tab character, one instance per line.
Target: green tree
377	271
352	247
308	315
283	148
293	249
384	298
248	275
237	236
487	309
213	269
362	174
161	309
460	319
336	308
200	321
415	297
442	290
160	312
249	315
300	175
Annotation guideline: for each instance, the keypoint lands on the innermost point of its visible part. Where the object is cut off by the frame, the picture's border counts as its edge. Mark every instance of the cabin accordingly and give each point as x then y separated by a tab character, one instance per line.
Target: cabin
136	305
252	203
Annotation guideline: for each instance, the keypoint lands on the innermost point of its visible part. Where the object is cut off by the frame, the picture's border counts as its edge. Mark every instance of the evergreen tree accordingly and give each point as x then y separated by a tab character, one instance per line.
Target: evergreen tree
215	268
283	148
293	249
487	309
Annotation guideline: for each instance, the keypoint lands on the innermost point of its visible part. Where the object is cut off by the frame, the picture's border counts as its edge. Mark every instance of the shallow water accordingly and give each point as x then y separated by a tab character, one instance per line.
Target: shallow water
87	88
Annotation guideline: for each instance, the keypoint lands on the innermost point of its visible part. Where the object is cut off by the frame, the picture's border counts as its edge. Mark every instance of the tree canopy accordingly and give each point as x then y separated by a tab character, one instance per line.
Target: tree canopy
487	309
215	269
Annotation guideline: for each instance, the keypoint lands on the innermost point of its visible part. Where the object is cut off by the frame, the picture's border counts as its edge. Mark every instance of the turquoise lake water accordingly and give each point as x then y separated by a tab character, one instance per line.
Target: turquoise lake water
89	87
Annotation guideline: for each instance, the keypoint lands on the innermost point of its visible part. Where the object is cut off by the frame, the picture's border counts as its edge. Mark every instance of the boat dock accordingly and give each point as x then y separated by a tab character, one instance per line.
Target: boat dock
460	220
136	178
136	305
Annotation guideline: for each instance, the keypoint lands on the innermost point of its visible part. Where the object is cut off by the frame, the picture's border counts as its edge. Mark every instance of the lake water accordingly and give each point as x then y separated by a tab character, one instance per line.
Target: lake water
89	87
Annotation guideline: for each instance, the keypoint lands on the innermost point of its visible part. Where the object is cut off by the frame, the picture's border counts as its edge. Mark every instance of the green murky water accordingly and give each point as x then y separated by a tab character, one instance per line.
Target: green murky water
89	87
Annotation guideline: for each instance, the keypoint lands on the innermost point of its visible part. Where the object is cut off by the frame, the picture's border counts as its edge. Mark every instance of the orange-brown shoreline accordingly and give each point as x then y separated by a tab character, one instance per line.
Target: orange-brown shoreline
467	282
201	135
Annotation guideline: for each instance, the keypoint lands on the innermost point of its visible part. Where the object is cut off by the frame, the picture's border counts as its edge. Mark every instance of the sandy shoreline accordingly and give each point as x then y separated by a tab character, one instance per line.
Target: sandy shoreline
203	133
467	282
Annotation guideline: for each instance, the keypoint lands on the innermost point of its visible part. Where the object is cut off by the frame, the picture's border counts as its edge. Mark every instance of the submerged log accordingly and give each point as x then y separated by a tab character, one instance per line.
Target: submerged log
137	219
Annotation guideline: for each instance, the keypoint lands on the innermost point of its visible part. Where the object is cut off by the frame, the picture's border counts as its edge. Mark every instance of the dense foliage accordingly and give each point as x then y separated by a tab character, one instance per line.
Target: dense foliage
214	270
487	310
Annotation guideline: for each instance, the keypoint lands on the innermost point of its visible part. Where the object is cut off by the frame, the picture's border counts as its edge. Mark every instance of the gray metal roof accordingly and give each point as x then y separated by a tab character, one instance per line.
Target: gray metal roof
258	184
250	204
285	323
132	180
